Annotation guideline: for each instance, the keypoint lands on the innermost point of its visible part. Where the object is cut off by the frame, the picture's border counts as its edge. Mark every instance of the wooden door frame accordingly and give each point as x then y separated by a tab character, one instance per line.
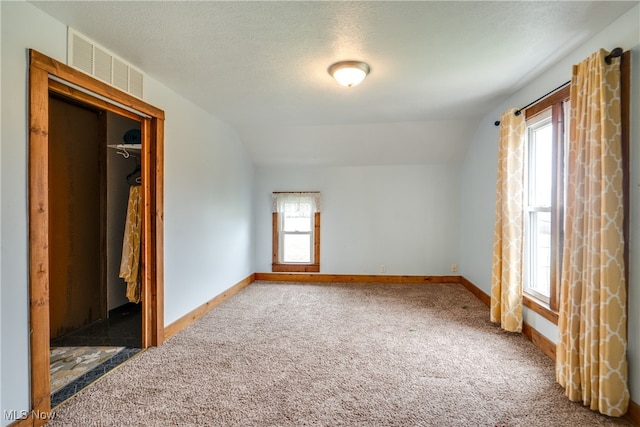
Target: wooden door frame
41	71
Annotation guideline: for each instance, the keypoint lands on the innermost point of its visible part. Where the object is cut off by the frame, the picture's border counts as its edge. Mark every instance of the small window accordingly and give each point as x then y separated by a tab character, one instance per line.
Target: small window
296	232
296	223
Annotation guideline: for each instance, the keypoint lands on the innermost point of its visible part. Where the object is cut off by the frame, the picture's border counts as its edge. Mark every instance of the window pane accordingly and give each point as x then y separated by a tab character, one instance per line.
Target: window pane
537	279
297	217
540	253
540	158
297	248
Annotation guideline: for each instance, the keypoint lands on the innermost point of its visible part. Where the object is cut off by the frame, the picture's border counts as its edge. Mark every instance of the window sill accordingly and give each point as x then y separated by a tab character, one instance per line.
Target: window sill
295	268
541	308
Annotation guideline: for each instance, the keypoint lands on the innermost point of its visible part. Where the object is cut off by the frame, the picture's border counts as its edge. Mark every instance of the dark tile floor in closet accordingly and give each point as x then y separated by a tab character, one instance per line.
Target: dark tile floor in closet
122	329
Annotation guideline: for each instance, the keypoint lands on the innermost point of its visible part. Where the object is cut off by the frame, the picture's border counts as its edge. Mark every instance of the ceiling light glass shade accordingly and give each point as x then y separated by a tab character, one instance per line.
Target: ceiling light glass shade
349	73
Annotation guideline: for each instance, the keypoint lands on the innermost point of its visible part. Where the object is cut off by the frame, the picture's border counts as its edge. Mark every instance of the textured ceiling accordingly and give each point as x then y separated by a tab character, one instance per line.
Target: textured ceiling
437	67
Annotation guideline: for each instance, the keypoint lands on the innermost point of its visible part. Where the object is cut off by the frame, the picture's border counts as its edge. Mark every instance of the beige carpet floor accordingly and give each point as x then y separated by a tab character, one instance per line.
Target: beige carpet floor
336	355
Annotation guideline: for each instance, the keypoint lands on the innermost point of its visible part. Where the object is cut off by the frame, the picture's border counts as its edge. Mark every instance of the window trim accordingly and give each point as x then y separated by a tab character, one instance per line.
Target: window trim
555	102
540	307
544	119
281	267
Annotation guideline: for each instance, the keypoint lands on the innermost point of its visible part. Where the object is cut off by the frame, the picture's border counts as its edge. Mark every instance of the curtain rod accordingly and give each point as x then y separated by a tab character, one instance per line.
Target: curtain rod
296	192
615	53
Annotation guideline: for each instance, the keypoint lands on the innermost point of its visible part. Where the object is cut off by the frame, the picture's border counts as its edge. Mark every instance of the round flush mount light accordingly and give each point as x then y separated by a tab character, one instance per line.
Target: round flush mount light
349	73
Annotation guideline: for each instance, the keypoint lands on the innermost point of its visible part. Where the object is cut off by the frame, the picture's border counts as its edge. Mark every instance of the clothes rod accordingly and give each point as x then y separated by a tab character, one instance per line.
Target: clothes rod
615	53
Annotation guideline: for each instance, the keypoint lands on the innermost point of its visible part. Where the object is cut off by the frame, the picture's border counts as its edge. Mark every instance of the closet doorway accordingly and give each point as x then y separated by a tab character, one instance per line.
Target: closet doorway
73	241
95	317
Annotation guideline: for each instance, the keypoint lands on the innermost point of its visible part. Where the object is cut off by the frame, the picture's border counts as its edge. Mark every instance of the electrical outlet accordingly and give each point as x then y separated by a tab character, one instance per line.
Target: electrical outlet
454	268
383	268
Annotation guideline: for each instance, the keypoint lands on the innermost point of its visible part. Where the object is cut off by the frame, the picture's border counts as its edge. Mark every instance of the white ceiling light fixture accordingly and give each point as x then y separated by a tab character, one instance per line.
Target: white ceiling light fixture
349	73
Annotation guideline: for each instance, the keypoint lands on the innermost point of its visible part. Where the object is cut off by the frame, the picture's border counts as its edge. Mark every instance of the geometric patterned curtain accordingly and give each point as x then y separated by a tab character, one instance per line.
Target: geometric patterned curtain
506	277
591	361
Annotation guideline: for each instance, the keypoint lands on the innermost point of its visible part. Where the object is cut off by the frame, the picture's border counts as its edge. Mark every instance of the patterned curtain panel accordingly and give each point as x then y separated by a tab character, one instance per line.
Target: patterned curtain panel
506	280
591	353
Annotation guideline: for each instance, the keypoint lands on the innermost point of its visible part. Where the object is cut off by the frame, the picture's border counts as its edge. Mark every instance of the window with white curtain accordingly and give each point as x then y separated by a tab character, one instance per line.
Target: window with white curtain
296	232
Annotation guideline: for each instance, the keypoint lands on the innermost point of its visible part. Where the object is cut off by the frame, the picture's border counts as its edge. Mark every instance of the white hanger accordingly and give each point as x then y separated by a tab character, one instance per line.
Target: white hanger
123	152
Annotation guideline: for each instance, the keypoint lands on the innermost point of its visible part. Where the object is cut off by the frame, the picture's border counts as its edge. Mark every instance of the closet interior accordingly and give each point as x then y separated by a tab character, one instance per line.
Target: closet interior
94	236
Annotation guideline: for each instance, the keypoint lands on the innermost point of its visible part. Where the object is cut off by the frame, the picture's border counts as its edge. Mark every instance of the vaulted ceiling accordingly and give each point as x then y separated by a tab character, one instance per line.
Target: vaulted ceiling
436	67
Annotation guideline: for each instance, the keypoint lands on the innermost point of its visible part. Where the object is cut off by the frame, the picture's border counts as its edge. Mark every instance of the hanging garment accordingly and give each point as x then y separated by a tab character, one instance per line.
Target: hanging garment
130	263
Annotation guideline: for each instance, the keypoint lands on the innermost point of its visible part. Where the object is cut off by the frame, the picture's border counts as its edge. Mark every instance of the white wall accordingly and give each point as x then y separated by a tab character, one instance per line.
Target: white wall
479	180
208	197
634	249
208	205
1	246
406	217
22	26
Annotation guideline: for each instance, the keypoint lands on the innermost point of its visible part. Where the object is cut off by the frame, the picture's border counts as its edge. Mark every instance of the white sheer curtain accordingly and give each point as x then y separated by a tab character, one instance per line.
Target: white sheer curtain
295	200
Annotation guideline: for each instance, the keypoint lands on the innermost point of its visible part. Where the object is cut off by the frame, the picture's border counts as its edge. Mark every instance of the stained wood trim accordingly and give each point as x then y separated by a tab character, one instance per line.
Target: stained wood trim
555	103
68	91
486	299
538	307
633	413
354	278
275	237
157	229
540	341
79	78
200	311
279	267
40	69
39	240
540	106
147	293
295	268
316	240
557	206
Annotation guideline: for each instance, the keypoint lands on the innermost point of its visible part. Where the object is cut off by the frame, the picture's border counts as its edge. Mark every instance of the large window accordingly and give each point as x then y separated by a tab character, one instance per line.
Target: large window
544	198
537	266
296	232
